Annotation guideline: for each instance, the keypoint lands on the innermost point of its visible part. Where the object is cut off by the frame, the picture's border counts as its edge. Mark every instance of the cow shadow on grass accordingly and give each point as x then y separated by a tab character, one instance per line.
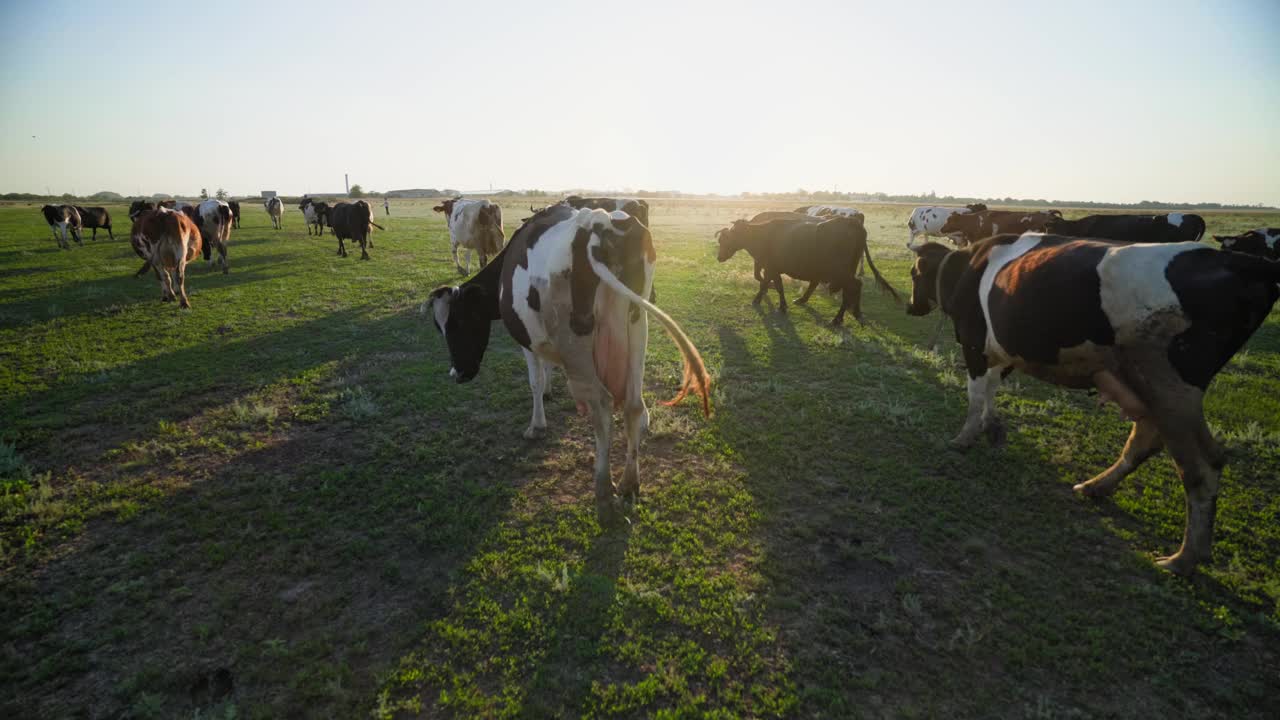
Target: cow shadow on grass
276	550
899	568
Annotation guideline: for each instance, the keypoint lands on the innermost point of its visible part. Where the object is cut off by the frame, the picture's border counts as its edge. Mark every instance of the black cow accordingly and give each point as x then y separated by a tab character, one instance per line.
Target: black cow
1147	325
63	219
1263	241
137	207
235	213
351	221
638	209
826	252
1173	227
94	218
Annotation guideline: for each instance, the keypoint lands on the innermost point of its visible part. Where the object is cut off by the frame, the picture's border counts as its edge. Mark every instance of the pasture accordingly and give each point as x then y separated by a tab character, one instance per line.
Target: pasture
278	504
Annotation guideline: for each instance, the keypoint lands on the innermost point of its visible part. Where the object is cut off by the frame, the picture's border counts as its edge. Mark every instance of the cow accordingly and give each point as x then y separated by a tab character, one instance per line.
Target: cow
137	207
94	218
1263	241
215	227
768	215
315	213
235	213
275	208
964	228
167	241
570	290
63	219
826	252
1173	227
1148	325
638	209
928	220
829	211
473	224
351	221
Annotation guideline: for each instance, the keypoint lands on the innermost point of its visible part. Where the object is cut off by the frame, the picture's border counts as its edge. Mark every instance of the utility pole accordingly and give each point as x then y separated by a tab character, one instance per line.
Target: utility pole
346	180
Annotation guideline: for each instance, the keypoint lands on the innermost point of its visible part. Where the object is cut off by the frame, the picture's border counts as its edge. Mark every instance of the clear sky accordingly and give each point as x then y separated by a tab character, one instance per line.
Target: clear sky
1114	101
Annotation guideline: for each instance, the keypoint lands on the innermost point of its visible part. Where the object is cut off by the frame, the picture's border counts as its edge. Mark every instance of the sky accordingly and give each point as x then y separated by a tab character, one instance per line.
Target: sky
1109	101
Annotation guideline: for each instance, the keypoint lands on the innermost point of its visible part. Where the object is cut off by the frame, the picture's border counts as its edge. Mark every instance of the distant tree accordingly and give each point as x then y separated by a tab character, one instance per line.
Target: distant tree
68	196
356	191
204	194
221	194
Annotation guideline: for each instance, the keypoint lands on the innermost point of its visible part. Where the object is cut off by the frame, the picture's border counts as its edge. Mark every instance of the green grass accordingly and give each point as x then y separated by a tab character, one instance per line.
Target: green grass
278	504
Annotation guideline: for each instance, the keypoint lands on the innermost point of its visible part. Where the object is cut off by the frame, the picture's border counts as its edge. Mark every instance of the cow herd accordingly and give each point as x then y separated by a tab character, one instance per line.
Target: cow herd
1132	306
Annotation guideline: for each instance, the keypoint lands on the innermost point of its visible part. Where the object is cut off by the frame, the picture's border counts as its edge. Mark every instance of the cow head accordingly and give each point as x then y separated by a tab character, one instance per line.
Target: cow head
463	317
924	278
731	239
976	207
1252	242
968	225
446	207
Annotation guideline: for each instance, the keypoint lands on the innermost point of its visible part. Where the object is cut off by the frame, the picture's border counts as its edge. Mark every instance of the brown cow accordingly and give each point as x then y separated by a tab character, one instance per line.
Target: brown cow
974	226
167	240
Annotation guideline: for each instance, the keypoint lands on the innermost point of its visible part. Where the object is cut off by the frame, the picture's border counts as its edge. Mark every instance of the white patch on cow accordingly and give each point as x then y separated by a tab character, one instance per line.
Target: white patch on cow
440	309
1174	219
1135	293
1272	239
1000	256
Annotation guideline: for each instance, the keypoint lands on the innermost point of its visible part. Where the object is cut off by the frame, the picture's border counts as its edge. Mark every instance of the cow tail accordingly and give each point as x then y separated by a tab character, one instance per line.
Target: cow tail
377	226
880	281
696	377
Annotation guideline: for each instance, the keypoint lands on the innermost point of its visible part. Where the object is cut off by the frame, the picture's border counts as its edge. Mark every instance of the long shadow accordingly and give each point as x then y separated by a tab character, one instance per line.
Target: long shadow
889	541
291	574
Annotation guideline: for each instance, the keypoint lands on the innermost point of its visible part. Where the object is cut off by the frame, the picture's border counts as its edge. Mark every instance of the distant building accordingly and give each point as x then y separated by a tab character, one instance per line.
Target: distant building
268	194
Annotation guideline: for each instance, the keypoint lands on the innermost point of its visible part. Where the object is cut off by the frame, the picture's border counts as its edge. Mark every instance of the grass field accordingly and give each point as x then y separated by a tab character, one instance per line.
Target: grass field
277	504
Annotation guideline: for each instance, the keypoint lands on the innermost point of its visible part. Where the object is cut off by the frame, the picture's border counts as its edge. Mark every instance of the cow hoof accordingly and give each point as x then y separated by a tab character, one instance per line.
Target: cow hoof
630	496
1095	489
959	443
1178	564
802	301
996	435
782	309
532	433
364	256
610	514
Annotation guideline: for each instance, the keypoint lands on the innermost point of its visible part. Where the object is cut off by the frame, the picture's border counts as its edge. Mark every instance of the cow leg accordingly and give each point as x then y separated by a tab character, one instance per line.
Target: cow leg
342	248
765	282
94	237
592	393
850	299
146	265
468	271
453	247
1144	441
166	284
110	235
222	258
756	271
634	413
181	272
537	386
364	251
937	331
983	383
782	294
807	292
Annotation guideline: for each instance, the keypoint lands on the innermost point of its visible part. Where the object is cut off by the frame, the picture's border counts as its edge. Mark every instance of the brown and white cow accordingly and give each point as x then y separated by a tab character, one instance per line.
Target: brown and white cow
474	225
1264	242
965	228
1148	325
167	241
570	289
63	219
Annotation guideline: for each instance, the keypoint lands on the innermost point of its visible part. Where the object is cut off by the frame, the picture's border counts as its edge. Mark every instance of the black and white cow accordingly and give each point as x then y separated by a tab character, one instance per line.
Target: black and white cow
638	209
1148	325
275	208
215	219
315	213
93	218
474	225
63	219
570	288
822	211
928	220
1263	241
1173	227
